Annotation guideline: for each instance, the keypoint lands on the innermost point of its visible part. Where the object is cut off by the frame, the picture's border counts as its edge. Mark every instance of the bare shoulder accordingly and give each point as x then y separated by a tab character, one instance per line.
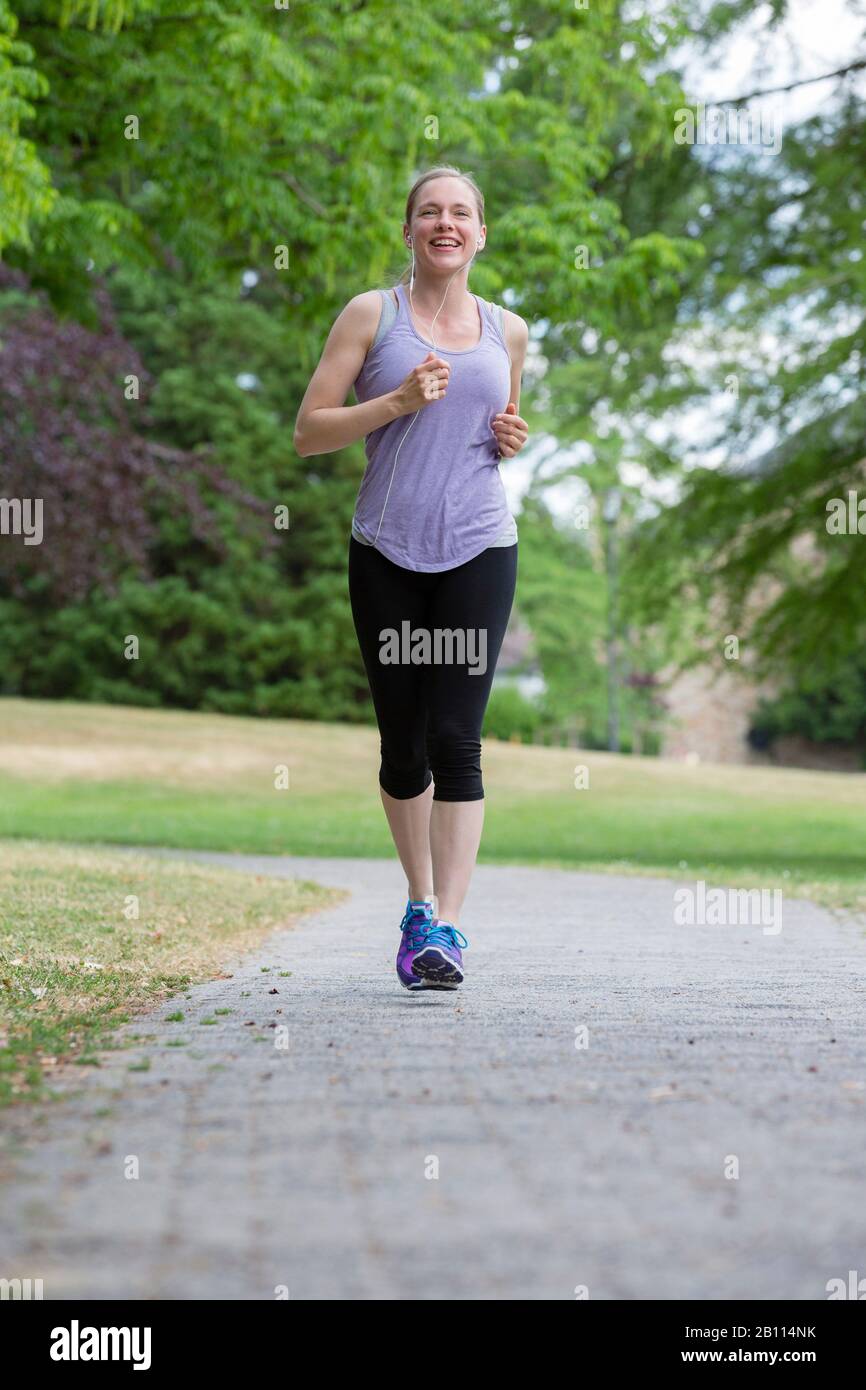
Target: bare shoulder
365	301
516	333
359	319
514	325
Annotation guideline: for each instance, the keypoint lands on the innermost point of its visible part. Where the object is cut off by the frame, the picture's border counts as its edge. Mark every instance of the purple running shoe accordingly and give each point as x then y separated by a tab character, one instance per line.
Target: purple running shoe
417	919
439	961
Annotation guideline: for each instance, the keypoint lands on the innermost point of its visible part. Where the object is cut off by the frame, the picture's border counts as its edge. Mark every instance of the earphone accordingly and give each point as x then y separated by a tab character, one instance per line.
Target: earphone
409	242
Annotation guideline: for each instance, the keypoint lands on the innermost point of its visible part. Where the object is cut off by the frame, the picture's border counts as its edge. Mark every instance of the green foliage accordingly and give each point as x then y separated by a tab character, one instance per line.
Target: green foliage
203	141
254	619
819	708
773	343
156	153
510	715
25	182
184	150
563	597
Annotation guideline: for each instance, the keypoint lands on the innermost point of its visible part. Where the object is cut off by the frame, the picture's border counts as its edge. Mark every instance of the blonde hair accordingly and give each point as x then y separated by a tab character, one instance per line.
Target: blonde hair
440	171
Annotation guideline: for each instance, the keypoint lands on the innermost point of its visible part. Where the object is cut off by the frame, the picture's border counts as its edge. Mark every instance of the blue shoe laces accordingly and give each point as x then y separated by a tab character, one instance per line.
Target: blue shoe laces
442	934
414	911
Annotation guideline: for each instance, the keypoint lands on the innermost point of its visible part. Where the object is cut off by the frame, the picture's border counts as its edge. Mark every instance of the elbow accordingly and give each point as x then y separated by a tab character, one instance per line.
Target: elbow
299	442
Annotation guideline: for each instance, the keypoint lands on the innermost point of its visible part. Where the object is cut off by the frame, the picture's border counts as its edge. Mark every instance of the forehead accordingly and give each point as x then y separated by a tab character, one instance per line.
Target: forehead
444	191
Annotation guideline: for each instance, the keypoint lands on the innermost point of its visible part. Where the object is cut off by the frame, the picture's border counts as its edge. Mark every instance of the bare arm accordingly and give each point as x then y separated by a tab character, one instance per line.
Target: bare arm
324	422
516	333
511	431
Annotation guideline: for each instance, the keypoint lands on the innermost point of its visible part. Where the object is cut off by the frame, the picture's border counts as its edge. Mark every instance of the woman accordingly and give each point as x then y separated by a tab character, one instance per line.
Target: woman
433	550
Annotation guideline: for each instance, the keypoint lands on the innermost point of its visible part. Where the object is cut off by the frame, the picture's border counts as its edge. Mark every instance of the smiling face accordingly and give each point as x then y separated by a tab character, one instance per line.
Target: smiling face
445	225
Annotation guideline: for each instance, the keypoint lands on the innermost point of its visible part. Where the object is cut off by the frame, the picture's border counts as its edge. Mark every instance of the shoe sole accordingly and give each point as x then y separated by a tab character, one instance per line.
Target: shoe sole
417	984
437	970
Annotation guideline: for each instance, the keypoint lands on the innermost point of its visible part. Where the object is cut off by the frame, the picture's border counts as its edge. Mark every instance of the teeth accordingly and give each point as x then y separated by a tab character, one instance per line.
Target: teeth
445	243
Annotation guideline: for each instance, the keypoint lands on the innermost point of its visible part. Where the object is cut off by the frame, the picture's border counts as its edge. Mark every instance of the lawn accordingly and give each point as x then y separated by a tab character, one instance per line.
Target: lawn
120	775
90	937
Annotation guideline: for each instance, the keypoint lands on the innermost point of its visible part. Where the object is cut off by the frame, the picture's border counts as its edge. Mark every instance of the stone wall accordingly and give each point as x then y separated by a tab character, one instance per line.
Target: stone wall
709	715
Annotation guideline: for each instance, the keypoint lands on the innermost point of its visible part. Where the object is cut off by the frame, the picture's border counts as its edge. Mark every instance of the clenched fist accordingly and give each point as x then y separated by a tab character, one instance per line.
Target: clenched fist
425	383
511	432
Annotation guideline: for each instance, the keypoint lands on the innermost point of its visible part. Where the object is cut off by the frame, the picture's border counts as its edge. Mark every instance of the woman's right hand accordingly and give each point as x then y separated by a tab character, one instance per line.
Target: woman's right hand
425	383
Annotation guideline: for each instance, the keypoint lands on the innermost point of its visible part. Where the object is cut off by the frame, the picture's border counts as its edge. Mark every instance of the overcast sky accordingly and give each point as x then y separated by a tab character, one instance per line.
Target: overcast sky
818	37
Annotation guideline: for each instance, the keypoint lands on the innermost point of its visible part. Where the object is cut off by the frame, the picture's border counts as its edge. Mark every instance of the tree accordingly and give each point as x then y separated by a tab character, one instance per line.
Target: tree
26	182
772	340
191	154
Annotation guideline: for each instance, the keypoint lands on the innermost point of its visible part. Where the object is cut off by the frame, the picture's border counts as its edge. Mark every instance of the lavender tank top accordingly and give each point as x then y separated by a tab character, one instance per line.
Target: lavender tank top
447	502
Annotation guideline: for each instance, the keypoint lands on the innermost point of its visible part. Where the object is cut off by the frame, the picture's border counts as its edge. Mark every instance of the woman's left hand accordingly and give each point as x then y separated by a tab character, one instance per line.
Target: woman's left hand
511	432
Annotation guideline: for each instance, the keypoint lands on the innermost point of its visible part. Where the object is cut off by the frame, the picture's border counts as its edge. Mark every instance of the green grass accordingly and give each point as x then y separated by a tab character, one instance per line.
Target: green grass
119	775
73	964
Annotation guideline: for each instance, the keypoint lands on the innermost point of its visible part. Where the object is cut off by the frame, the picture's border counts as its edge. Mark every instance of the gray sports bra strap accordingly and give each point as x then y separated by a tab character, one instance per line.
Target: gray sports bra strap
389	313
387	317
497	314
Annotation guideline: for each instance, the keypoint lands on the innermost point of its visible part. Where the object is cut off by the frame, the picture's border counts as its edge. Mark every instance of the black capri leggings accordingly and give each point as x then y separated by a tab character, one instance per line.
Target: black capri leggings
430	709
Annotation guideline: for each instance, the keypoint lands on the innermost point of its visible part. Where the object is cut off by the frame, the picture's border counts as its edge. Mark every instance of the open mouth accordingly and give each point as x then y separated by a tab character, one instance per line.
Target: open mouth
444	244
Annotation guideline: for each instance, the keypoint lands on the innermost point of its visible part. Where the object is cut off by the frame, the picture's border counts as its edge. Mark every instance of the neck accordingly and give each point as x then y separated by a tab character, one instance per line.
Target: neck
428	292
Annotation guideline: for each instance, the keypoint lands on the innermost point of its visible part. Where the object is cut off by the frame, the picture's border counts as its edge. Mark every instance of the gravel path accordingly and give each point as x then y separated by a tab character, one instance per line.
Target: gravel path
559	1165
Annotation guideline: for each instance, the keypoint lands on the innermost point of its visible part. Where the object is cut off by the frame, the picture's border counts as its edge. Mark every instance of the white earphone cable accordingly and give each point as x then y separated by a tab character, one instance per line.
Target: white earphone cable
433	348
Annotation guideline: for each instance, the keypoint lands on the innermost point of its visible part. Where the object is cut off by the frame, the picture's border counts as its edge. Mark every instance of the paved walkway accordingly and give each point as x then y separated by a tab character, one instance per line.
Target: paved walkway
558	1166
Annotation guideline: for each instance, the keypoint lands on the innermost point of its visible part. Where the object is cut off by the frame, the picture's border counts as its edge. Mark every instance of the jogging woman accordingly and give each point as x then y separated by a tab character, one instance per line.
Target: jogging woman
433	550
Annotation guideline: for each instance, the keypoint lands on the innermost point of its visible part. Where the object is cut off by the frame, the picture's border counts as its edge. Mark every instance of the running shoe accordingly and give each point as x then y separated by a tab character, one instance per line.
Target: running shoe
417	919
438	961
